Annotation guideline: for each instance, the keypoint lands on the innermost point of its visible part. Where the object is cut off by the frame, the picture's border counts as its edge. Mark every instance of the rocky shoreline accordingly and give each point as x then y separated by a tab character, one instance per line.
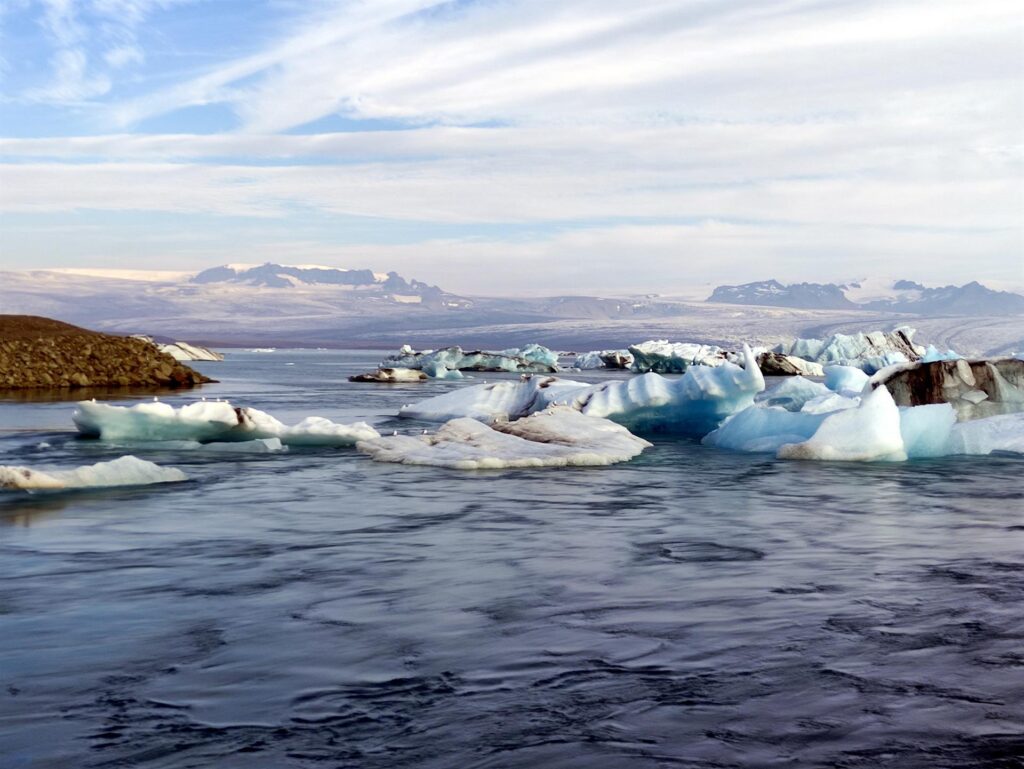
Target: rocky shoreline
42	354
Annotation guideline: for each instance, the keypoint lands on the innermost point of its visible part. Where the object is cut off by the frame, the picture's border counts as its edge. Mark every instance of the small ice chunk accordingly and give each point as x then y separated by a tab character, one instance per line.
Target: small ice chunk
125	471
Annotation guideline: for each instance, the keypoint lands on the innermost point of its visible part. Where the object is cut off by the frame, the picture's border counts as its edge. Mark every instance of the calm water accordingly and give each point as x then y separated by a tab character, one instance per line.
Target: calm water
692	608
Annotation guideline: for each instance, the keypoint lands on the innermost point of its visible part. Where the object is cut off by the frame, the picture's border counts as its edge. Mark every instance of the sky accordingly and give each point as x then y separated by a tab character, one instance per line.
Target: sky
518	146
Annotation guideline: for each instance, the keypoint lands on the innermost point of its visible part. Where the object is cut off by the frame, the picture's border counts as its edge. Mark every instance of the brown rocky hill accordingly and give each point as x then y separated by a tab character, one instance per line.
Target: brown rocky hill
39	352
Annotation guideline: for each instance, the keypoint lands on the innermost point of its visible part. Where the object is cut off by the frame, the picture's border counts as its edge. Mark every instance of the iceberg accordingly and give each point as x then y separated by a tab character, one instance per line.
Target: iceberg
870	352
777	364
793	393
845	380
493	401
555	437
868	433
390	375
932	354
1003	432
692	404
763	429
664	357
207	422
126	471
617	359
438	364
872	428
975	389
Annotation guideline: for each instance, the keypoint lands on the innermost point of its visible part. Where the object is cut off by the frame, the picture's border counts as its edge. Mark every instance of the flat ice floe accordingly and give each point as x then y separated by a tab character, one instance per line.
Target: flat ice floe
557	437
126	471
209	421
692	404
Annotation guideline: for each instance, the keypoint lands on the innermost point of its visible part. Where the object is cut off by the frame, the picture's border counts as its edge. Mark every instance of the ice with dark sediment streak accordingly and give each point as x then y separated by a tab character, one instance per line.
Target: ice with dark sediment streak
125	471
692	404
556	437
870	427
209	421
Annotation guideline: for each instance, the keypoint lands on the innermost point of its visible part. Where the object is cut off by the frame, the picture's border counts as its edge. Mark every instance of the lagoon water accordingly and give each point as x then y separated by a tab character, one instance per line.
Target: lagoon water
692	608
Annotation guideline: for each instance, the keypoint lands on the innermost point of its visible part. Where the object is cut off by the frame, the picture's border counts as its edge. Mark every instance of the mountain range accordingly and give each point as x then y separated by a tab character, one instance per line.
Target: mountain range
238	305
901	296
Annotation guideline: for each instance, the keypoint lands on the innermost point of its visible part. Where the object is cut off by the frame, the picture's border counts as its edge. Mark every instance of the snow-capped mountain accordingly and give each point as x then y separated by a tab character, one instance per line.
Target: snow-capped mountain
273	275
771	293
903	296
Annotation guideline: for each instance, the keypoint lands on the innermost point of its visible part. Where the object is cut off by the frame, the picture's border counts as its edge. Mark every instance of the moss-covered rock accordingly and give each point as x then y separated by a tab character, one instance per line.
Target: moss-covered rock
43	353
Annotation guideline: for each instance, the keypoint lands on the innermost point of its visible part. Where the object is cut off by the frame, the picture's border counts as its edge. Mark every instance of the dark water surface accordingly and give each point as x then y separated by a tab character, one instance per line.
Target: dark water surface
692	608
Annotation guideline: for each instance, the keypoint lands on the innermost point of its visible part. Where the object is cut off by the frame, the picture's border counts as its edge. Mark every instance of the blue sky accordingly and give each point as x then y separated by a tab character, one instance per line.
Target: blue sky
512	146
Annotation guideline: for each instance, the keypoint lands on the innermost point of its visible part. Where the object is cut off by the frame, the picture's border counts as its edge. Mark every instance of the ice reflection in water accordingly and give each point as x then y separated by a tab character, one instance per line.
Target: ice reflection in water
691	608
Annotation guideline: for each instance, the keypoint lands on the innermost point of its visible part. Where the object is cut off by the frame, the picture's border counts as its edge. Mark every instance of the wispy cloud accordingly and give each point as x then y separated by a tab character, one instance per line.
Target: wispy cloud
741	131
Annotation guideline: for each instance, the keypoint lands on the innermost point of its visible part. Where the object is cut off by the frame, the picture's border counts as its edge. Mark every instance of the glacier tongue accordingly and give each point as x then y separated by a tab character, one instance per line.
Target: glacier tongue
209	421
125	471
555	437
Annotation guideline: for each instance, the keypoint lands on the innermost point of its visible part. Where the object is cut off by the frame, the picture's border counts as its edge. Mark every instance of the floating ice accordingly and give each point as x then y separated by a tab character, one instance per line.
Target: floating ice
1004	432
927	430
556	437
617	359
664	357
845	380
777	364
870	432
391	375
932	354
867	430
793	393
533	358
692	404
869	352
975	389
764	429
209	421
493	401
126	471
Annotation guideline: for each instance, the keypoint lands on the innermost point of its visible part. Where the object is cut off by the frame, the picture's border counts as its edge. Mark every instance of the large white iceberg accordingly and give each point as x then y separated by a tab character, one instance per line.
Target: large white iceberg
209	421
870	352
126	471
693	404
664	357
556	437
447	362
868	433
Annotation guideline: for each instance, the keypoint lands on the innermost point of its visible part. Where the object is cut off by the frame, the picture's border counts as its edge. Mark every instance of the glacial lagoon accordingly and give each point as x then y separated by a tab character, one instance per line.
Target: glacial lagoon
693	607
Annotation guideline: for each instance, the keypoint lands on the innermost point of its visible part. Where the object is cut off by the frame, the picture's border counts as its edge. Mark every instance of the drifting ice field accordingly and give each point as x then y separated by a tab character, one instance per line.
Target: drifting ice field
303	605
